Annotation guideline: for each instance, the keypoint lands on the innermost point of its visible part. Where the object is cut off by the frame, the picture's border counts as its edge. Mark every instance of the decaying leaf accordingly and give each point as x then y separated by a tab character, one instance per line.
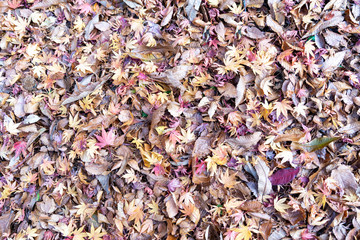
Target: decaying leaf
318	143
264	184
244	141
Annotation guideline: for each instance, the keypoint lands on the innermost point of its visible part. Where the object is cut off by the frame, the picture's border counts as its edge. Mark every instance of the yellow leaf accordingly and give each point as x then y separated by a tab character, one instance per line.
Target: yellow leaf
244	233
280	205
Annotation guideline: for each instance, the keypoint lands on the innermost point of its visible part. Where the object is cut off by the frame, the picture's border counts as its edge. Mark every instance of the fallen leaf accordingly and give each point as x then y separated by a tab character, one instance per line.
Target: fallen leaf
283	176
264	184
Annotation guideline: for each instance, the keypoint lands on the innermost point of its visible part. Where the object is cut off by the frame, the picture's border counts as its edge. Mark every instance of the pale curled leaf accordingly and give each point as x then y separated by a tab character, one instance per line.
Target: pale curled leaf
245	141
191	9
275	26
264	184
334	61
81	94
323	24
351	128
345	178
240	91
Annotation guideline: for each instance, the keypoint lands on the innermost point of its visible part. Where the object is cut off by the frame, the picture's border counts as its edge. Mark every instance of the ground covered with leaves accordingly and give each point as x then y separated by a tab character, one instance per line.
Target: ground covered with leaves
187	119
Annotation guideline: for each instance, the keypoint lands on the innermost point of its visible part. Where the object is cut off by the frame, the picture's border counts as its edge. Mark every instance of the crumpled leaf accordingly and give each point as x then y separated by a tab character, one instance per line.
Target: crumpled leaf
5	220
46	4
84	92
323	24
345	178
264	184
240	91
254	3
191	9
245	141
334	61
252	32
47	205
351	128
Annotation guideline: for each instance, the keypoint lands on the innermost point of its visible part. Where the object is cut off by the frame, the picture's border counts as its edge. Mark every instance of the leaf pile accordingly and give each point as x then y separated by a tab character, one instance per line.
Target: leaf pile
187	119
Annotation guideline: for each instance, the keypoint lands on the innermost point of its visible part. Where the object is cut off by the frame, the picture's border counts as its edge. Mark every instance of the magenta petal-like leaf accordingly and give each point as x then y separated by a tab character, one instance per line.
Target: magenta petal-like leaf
284	176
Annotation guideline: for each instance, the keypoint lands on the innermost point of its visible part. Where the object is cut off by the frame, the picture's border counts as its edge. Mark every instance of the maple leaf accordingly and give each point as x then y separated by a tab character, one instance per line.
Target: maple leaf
20	147
84	210
282	108
106	138
152	158
286	155
96	234
309	49
31	233
83	65
187	136
14	4
79	234
74	121
187	198
300	109
138	142
135	212
10	126
130	176
85	8
244	233
154	207
280	205
228	180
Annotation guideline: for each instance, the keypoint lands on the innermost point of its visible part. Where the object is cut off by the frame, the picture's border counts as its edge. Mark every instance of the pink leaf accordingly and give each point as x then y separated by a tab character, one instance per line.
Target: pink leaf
106	138
173	184
20	147
284	176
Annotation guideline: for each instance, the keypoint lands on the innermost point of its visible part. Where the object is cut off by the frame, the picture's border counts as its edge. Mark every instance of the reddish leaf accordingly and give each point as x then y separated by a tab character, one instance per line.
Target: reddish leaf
106	138
284	176
20	147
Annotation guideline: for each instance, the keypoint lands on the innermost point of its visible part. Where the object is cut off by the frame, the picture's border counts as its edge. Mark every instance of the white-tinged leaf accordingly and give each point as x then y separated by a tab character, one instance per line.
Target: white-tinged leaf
334	61
240	91
264	184
244	141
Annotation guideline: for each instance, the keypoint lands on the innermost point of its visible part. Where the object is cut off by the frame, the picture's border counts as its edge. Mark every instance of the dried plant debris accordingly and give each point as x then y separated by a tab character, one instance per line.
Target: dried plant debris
187	119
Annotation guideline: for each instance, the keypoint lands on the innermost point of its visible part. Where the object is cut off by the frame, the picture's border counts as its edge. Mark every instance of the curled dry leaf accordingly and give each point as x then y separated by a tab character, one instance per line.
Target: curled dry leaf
264	184
244	141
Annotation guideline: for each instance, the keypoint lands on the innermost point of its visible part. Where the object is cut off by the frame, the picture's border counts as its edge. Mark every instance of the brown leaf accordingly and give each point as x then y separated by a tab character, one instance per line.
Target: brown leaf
171	207
45	4
84	92
294	216
251	206
334	61
5	220
244	141
254	3
351	128
275	26
323	24
167	17
252	32
345	178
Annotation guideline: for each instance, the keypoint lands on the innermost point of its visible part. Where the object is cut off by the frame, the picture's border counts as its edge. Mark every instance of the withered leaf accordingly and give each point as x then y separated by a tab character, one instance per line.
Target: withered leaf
245	141
264	184
318	143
